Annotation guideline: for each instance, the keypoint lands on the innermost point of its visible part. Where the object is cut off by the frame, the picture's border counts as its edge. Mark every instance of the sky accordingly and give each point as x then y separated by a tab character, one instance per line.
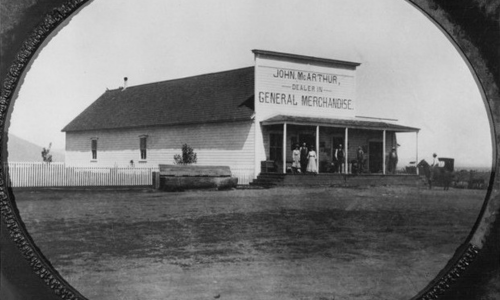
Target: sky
409	70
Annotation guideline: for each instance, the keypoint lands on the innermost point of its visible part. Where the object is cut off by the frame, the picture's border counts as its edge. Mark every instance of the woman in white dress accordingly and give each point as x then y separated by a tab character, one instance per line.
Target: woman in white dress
296	159
311	161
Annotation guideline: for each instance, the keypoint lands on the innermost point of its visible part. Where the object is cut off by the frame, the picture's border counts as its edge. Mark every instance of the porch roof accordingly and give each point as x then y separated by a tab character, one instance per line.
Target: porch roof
349	123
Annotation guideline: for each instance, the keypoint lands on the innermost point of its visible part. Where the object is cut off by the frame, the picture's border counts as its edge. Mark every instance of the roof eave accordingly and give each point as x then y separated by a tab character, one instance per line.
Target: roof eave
398	128
161	125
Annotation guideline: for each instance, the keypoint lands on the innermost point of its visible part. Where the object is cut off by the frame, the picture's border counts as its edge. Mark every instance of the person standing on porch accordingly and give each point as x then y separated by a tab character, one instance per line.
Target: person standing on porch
312	167
304	151
340	157
393	160
296	159
360	156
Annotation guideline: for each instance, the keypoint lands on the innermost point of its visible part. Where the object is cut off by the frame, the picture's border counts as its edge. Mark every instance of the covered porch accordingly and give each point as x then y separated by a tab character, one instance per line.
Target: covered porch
375	137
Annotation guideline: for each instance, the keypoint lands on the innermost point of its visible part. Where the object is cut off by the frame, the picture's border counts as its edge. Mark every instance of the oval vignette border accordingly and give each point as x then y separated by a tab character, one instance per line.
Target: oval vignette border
470	270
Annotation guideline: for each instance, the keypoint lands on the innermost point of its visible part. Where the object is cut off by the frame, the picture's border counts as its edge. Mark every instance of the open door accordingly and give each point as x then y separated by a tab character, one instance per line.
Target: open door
375	153
309	139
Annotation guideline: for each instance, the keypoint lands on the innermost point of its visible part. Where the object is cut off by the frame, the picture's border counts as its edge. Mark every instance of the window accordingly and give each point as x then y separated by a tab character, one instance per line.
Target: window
94	148
143	146
276	147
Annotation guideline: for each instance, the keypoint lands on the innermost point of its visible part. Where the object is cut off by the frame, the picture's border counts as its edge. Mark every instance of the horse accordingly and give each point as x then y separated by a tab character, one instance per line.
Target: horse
438	174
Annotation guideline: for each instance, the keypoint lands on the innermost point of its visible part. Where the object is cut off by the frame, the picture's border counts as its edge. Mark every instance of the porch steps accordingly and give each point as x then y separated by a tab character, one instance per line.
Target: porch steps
269	180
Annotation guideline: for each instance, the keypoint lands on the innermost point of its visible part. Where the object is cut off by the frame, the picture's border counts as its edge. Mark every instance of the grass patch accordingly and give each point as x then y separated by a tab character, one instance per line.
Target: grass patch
251	244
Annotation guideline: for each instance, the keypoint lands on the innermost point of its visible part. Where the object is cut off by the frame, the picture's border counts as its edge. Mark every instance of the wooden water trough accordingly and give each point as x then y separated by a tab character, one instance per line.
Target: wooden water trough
184	177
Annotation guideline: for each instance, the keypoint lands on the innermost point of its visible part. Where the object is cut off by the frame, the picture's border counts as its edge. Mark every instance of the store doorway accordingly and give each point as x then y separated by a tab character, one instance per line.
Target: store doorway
375	153
309	139
276	147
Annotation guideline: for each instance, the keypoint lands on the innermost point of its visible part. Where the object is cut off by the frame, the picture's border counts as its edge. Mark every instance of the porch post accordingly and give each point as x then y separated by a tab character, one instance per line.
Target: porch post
256	166
383	152
317	147
346	149
416	152
284	148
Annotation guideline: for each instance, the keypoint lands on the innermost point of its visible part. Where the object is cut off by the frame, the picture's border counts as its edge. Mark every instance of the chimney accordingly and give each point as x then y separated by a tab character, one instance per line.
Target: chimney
125	82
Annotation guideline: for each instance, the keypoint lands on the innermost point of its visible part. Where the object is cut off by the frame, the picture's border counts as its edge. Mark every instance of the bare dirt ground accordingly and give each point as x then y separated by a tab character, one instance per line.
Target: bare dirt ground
282	243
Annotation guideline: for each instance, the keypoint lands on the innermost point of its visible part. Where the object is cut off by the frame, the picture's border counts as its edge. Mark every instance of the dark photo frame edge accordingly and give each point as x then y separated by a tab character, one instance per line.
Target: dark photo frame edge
470	274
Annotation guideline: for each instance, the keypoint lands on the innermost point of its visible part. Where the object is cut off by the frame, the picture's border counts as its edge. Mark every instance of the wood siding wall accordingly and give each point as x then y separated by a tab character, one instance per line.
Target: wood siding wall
227	144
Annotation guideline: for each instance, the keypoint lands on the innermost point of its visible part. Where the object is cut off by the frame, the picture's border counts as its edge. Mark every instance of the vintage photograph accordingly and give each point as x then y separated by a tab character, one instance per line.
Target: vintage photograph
249	149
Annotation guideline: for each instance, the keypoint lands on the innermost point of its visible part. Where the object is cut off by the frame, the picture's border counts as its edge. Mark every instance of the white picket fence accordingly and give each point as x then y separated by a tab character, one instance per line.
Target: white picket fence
39	174
245	175
58	175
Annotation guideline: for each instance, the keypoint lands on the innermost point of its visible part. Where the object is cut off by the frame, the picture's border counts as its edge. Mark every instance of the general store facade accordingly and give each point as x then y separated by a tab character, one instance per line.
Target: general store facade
237	118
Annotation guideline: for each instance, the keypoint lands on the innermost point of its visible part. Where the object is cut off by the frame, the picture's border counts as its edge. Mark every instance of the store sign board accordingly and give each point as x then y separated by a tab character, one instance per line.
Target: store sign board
290	88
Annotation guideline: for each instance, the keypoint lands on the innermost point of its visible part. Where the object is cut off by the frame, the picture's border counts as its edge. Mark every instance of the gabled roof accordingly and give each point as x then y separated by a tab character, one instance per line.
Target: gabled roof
215	97
343	123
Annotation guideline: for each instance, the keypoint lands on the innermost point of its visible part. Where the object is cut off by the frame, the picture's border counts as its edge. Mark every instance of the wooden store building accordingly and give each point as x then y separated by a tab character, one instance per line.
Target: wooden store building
238	118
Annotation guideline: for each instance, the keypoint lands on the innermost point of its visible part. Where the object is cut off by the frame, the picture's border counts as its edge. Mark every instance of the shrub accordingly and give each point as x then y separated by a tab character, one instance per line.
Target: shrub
46	156
188	156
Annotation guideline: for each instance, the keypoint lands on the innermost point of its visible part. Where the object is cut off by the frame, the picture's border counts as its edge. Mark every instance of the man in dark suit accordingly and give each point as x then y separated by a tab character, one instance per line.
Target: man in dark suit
304	151
340	158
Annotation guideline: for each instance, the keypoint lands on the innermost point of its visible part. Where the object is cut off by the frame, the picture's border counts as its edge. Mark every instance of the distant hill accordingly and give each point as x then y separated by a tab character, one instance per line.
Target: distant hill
21	150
